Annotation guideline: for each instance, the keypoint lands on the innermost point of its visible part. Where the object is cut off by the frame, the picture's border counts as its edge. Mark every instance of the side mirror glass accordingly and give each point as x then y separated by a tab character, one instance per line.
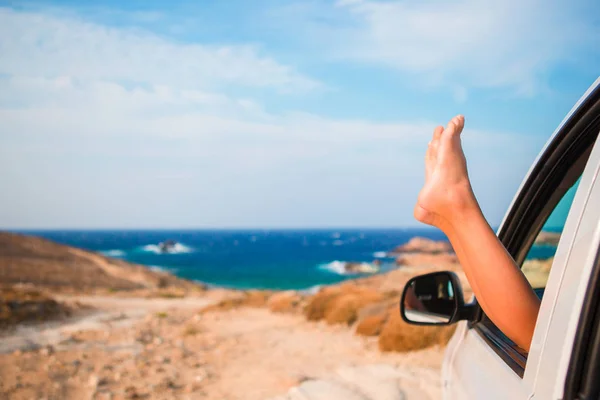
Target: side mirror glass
432	299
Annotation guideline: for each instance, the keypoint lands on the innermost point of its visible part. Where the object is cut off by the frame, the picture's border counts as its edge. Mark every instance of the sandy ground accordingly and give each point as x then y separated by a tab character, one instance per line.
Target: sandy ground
164	349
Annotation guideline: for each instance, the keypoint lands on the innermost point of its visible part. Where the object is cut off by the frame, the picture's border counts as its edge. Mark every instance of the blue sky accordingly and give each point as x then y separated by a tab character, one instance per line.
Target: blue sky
274	113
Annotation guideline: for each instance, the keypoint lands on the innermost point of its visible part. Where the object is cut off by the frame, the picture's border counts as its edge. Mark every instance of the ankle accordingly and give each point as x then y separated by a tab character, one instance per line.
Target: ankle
461	207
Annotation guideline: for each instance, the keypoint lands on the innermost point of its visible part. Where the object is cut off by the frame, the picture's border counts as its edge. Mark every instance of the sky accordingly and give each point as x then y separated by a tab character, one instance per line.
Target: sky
274	114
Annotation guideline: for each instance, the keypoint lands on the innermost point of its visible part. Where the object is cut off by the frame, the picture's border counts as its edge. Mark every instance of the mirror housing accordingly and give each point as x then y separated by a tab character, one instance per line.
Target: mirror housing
434	299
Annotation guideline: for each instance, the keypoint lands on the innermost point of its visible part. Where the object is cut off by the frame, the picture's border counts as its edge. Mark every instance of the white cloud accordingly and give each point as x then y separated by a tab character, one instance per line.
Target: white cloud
105	127
98	146
35	44
469	43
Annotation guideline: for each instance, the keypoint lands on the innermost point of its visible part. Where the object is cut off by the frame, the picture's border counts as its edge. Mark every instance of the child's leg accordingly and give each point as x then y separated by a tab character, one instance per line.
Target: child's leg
447	202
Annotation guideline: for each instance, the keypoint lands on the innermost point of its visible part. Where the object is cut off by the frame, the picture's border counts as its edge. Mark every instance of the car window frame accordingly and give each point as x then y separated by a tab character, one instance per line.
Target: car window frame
581	382
559	166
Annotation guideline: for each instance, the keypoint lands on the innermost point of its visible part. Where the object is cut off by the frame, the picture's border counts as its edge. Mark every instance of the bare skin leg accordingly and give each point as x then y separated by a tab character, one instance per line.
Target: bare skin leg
448	203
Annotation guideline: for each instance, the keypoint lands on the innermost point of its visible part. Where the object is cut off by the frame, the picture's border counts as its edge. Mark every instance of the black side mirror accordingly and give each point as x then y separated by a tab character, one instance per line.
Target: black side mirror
434	299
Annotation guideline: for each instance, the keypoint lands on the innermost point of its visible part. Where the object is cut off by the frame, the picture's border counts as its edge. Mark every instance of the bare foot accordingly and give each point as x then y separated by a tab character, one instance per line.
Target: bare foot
447	190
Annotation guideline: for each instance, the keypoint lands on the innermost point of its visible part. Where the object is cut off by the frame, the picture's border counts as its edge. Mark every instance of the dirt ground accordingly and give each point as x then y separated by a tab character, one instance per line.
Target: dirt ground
142	348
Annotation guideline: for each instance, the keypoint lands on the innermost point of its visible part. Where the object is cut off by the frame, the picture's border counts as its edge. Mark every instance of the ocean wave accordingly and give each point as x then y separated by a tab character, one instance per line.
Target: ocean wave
337	267
338	242
177	248
113	253
341	267
380	254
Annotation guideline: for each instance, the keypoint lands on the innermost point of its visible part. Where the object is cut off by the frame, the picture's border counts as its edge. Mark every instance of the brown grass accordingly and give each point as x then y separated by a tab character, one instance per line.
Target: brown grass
192	330
285	302
251	298
19	305
372	325
397	335
340	305
343	310
537	271
171	295
256	298
319	303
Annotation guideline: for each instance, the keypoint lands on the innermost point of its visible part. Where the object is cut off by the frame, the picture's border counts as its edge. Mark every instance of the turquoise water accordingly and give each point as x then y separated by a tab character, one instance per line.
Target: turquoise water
266	259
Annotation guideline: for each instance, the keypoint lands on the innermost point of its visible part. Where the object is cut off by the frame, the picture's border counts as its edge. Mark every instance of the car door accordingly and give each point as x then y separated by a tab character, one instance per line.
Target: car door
481	362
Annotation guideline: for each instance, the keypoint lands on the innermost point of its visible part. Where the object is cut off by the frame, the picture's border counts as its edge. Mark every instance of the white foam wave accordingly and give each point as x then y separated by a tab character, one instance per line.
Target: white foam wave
177	248
338	242
380	254
152	248
341	268
338	267
113	253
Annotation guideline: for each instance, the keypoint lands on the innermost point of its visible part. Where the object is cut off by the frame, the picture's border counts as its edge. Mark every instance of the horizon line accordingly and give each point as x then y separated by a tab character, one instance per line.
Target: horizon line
90	229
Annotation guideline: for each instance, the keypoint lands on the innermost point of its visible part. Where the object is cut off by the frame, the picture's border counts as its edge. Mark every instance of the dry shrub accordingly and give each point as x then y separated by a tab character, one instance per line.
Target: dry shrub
224	305
24	304
192	330
381	307
170	294
340	305
397	335
392	294
537	271
284	302
442	261
446	334
372	325
318	304
251	298
256	298
343	310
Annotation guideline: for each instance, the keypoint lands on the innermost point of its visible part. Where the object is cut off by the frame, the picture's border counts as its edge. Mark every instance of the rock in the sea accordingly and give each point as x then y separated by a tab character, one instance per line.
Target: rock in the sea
424	245
361	268
167	246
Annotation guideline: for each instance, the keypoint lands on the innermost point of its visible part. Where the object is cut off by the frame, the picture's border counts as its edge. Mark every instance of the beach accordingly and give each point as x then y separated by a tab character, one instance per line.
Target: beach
162	337
132	348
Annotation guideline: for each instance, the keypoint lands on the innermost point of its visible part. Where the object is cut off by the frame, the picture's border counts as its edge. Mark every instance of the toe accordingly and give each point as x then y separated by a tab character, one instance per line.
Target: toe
460	125
454	128
450	129
437	132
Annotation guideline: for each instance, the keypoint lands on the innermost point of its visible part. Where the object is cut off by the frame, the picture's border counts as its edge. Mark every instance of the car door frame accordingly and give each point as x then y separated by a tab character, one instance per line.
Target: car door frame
474	344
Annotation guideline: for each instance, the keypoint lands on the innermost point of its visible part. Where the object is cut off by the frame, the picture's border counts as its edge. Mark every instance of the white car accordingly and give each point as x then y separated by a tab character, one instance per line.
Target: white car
560	195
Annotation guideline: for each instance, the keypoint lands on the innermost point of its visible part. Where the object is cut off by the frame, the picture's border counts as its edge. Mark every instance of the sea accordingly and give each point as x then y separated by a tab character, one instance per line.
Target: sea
252	259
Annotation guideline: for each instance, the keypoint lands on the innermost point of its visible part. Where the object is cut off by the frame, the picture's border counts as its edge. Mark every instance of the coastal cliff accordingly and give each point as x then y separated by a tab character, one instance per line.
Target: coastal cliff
45	264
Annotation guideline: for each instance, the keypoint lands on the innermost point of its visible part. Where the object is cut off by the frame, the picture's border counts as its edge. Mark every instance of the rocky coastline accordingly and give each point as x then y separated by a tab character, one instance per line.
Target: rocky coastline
78	325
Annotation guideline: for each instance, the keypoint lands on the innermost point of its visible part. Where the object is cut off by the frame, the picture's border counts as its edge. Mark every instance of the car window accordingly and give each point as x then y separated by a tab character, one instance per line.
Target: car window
538	262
